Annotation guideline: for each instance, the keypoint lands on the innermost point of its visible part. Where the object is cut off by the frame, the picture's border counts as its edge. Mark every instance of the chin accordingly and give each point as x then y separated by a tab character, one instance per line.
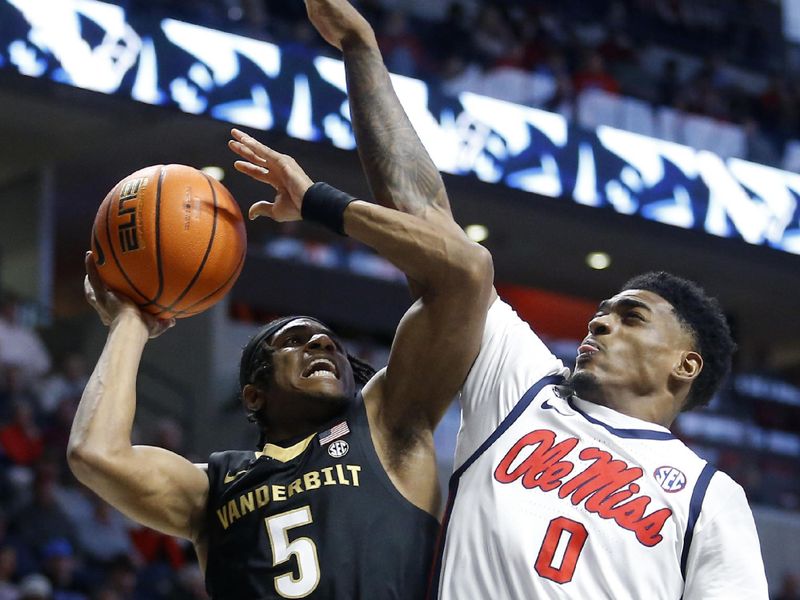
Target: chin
585	385
331	389
329	393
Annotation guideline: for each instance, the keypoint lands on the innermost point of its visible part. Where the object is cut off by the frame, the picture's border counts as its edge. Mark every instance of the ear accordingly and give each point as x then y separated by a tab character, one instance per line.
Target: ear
253	398
688	367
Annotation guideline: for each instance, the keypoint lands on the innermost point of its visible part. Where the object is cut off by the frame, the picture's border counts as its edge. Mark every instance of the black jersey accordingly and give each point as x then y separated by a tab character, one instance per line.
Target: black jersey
320	519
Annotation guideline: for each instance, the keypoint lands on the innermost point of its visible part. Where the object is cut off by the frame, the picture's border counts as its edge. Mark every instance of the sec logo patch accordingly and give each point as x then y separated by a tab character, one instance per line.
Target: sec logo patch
338	448
670	479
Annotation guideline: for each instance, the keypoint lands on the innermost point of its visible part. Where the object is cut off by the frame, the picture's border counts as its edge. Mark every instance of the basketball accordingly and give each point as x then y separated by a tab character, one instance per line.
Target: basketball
171	239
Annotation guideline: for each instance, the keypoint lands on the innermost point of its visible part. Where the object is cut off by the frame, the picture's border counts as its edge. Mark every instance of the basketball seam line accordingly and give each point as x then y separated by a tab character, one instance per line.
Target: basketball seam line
111	244
208	248
162	173
235	272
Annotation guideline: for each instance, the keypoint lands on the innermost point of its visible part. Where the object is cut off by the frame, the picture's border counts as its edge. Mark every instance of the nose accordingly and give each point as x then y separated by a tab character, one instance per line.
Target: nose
599	325
321	341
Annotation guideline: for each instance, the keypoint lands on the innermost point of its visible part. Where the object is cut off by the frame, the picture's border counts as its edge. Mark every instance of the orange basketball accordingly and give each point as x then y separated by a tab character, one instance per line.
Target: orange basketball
170	238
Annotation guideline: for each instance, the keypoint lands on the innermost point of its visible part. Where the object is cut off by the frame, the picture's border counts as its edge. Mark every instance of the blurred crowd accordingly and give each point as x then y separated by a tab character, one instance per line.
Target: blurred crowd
724	60
58	540
288	243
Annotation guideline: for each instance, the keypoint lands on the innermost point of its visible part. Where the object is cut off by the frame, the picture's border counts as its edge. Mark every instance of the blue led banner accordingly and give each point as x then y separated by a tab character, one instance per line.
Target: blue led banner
97	46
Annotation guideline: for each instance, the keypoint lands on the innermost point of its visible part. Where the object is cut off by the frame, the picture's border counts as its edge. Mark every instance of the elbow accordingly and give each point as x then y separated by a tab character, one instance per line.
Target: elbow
83	461
474	270
78	459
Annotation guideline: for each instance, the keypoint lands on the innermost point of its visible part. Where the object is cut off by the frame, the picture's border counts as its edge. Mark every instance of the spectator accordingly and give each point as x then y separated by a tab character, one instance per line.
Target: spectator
65	383
24	561
35	587
20	347
594	75
60	567
21	439
492	36
56	432
122	578
669	84
43	518
451	37
105	535
401	48
8	570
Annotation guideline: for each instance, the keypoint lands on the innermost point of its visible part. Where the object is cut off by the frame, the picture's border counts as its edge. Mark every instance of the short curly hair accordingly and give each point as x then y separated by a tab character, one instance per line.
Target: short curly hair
703	317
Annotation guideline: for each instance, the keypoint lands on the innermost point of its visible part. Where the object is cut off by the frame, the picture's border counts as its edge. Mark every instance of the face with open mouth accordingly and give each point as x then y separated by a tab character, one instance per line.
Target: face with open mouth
310	359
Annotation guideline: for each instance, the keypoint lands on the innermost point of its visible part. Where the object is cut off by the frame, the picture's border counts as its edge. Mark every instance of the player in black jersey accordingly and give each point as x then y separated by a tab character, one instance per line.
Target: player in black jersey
339	501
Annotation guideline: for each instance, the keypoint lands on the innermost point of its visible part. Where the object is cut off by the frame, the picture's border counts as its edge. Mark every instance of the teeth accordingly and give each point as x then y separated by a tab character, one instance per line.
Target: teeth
322	368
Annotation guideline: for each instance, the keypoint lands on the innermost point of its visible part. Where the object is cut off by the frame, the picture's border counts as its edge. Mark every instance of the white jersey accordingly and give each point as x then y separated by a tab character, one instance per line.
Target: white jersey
556	497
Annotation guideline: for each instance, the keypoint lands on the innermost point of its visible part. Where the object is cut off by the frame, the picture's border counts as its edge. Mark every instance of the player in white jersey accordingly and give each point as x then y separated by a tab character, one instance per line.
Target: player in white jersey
575	487
558	497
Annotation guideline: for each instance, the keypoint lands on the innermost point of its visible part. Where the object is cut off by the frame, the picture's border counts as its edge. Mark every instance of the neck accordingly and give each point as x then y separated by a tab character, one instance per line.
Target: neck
645	409
285	441
660	409
288	433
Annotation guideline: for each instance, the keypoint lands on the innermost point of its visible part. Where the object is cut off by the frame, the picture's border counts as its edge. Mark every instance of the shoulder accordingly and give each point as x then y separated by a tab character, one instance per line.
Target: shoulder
391	433
724	511
724	496
372	391
509	342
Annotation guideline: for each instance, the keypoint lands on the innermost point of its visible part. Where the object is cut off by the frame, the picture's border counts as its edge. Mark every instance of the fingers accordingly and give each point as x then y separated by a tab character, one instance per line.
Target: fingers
247	142
246	153
258	173
92	274
92	284
88	291
158	326
261	209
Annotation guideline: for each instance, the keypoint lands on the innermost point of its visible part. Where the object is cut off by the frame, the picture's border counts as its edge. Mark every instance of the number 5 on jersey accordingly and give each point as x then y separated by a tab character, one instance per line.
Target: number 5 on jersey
303	549
564	538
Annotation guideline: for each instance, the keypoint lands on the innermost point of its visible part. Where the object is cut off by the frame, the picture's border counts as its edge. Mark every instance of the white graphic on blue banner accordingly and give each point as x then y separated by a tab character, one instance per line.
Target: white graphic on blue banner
198	70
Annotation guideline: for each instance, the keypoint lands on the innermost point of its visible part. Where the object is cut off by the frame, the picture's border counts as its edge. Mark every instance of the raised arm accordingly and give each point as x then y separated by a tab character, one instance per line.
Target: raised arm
399	169
439	337
151	485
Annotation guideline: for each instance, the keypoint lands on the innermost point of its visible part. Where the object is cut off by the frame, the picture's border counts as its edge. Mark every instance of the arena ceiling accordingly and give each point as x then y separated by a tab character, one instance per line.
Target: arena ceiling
93	141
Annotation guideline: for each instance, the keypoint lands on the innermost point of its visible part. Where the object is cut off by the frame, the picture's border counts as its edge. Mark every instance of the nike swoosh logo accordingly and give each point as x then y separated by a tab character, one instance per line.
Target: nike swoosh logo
229	477
547	406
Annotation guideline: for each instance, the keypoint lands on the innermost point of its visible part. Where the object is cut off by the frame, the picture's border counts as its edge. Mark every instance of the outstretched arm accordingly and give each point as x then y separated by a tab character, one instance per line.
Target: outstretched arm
399	169
153	486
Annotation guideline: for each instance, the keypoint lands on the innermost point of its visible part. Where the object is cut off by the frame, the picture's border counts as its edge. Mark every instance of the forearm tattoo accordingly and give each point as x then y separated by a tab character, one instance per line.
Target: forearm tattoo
399	170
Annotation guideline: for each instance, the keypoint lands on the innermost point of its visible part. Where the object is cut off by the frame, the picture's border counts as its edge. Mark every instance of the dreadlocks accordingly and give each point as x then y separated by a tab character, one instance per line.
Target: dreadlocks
256	365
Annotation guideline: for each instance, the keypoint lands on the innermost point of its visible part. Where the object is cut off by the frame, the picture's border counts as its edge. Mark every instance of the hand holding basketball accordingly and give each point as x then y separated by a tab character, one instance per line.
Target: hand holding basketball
281	171
109	305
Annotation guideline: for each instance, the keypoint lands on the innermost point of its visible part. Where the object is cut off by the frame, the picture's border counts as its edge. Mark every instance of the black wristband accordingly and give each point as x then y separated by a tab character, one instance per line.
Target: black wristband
324	204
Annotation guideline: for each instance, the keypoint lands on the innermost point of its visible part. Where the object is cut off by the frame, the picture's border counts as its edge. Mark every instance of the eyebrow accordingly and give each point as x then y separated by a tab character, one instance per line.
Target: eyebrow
627	302
303	327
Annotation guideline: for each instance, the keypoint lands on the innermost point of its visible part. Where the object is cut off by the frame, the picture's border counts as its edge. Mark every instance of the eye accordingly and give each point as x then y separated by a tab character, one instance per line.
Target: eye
293	340
635	316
